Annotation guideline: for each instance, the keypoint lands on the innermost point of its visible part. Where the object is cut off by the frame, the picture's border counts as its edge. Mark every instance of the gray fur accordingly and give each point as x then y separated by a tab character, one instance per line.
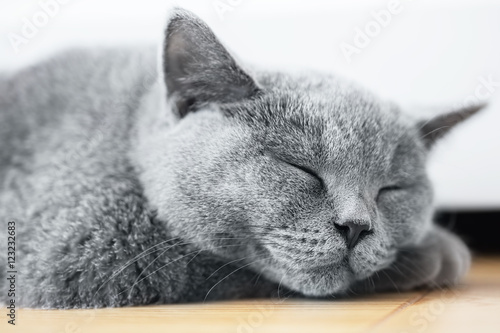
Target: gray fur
103	157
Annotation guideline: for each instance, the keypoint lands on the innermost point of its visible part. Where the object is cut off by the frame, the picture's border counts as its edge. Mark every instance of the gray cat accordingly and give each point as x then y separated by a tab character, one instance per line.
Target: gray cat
203	180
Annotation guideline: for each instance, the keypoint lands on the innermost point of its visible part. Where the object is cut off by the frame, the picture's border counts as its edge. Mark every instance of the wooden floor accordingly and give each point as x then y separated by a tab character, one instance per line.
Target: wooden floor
474	307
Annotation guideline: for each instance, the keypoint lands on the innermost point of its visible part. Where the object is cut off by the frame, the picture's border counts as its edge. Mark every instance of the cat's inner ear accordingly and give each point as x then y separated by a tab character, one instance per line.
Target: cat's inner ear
197	68
435	128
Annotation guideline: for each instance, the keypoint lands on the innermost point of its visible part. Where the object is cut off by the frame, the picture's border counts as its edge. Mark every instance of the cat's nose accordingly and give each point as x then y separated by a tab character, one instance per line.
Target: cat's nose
352	231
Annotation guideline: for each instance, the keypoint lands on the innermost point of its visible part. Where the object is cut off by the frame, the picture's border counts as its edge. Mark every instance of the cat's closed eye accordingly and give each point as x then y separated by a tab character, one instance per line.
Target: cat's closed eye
310	173
287	161
388	189
305	170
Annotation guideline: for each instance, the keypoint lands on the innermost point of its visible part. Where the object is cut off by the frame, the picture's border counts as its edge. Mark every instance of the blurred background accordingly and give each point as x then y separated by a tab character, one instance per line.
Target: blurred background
426	55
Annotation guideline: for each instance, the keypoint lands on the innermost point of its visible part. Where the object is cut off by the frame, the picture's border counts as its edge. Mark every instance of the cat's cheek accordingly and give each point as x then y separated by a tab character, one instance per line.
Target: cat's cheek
406	216
372	256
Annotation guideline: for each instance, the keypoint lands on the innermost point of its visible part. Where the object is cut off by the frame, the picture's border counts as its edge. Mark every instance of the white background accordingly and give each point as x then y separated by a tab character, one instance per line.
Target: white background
431	53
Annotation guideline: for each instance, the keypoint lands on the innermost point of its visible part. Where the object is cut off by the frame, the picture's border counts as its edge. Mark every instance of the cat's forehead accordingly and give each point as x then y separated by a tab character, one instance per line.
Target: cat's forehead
327	106
326	120
330	97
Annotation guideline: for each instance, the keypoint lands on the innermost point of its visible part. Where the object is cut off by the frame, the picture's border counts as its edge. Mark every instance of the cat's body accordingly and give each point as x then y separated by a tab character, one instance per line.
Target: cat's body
74	194
119	201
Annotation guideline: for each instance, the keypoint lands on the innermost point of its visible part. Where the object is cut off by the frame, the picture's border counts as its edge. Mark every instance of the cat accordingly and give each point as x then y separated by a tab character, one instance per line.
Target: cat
134	181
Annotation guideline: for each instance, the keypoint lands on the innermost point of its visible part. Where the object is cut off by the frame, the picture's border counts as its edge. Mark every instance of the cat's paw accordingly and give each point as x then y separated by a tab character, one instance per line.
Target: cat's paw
441	260
455	259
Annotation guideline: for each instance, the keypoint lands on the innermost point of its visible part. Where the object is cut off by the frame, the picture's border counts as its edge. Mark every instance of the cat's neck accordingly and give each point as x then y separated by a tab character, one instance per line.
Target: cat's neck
151	127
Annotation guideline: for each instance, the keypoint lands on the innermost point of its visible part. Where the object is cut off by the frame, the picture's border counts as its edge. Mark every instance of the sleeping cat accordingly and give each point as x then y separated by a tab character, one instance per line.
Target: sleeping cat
198	179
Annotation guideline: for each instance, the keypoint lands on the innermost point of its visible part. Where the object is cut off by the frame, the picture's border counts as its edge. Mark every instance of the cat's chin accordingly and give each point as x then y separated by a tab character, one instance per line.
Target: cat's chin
320	282
316	281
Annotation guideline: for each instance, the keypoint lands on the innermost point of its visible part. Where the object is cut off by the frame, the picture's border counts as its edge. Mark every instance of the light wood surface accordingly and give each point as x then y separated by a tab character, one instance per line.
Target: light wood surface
473	307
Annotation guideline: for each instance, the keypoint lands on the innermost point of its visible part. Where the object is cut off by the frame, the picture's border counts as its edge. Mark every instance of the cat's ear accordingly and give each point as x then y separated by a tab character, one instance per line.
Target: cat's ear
433	129
197	68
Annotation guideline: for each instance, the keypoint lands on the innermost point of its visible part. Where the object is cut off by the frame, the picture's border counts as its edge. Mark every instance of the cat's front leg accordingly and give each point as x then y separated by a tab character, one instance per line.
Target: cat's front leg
440	260
105	249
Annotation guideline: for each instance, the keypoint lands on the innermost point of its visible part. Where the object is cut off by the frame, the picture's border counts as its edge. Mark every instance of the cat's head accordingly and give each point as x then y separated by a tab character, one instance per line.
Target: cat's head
308	179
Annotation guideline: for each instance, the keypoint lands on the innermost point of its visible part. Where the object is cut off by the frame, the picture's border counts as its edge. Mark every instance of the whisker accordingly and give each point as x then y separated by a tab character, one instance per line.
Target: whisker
154	249
281	280
131	261
229	263
151	263
236	270
392	281
140	256
194	257
170	262
258	276
419	271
